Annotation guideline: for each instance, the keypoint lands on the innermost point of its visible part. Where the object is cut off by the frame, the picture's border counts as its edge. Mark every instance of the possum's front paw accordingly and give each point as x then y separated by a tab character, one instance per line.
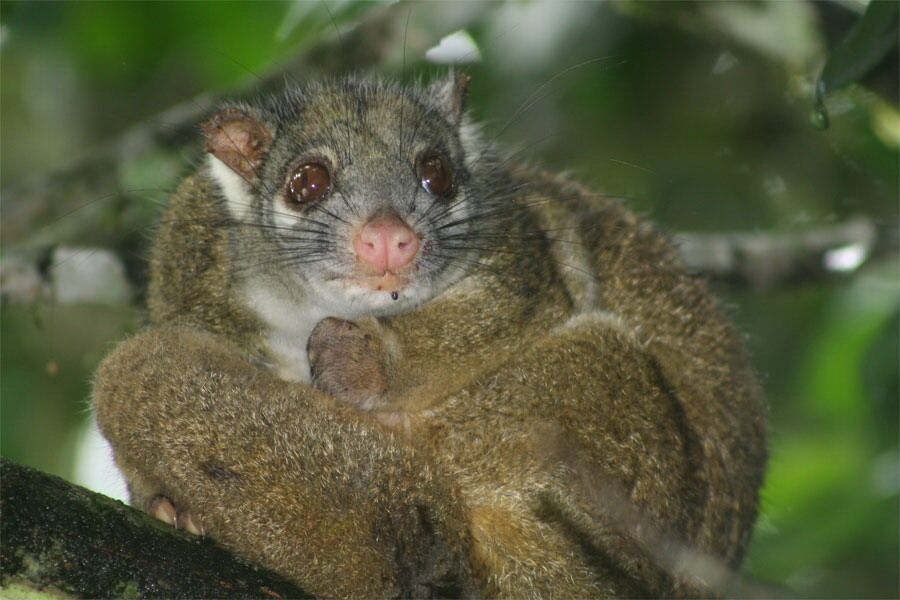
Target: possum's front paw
349	362
163	509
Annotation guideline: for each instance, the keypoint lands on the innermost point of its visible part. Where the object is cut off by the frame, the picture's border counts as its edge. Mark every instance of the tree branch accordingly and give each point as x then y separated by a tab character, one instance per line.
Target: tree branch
61	538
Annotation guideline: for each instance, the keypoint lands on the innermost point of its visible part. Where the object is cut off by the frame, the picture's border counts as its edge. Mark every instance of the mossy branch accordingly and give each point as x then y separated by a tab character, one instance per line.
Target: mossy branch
61	540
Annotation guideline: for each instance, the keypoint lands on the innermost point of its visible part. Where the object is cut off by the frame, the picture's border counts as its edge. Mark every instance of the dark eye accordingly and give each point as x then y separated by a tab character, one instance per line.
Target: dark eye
435	175
309	183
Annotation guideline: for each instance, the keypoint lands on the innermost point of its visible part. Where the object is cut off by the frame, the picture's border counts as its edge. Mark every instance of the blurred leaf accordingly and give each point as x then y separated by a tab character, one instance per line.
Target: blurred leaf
886	124
830	383
328	13
881	380
41	407
830	478
864	47
786	32
820	494
802	468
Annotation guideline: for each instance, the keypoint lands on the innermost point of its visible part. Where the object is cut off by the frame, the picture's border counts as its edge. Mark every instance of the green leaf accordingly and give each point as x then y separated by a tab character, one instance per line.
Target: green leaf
864	47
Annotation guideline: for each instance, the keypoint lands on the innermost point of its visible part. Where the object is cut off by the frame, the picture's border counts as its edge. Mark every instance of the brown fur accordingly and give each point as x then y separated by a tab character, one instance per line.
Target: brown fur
557	424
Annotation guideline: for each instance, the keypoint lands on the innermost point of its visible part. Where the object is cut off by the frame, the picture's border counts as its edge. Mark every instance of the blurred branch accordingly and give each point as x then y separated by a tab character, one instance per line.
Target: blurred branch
767	259
58	538
760	261
68	205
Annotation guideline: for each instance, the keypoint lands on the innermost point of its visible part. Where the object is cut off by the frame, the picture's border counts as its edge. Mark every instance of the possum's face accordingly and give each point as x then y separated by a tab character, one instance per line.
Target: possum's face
374	197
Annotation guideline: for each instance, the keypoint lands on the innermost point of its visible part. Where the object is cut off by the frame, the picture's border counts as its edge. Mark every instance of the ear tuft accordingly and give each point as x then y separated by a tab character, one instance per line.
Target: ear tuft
239	140
450	93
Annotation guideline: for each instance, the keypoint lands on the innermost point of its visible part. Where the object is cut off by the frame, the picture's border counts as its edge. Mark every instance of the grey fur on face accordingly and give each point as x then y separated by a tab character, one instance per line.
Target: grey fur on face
370	136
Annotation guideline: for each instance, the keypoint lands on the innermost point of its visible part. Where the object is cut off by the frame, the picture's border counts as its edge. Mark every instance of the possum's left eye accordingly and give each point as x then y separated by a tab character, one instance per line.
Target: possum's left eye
435	175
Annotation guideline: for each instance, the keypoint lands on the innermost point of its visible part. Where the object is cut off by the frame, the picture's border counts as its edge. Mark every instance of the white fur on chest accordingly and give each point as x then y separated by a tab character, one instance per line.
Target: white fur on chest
289	322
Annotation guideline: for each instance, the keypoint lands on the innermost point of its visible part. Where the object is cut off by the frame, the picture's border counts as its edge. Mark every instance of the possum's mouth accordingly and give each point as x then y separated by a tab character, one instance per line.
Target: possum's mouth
387	282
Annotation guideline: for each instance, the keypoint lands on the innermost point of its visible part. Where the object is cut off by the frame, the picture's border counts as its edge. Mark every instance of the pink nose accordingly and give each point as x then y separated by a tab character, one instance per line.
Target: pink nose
386	244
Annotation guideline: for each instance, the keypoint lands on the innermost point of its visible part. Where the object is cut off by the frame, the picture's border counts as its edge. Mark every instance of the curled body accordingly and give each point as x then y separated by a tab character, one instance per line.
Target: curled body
384	361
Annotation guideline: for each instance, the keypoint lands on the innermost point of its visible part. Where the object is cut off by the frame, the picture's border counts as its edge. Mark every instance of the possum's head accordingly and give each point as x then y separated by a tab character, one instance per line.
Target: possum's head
373	196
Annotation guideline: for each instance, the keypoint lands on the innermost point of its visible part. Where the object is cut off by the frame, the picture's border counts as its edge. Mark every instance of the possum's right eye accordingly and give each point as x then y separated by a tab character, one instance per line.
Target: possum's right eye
309	183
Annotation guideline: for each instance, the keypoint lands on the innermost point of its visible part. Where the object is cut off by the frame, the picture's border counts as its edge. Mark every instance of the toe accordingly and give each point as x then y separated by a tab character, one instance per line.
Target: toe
187	522
162	508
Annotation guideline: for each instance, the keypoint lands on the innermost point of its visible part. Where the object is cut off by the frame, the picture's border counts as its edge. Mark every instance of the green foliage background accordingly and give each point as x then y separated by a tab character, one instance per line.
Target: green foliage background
698	114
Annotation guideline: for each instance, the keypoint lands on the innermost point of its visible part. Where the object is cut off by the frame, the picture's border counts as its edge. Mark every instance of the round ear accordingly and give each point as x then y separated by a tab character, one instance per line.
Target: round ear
238	139
450	93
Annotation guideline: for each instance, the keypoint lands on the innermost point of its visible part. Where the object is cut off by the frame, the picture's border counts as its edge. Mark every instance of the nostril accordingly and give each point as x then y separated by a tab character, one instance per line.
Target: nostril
386	244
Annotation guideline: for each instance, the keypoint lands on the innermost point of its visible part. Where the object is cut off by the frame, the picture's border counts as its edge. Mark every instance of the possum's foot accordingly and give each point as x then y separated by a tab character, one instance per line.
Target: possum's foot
349	362
162	508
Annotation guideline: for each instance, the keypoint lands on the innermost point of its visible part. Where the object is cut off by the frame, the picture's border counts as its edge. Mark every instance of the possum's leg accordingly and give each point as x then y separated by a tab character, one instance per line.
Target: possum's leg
348	361
279	472
604	495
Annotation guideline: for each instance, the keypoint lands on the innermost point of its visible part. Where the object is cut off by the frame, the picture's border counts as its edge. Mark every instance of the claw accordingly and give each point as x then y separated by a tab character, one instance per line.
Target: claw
186	522
162	508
